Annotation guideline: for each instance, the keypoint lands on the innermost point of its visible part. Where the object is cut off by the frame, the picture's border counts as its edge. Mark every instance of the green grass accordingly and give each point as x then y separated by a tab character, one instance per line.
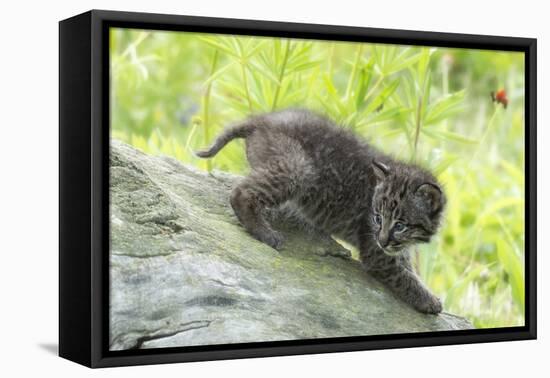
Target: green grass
171	93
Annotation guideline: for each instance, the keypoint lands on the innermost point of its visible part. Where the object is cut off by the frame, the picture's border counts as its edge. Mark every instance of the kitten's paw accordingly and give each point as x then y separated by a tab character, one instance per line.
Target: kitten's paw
274	239
430	305
335	252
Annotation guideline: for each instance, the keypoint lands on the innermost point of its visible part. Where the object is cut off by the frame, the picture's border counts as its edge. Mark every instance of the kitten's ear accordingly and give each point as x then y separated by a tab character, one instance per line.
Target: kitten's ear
431	196
381	170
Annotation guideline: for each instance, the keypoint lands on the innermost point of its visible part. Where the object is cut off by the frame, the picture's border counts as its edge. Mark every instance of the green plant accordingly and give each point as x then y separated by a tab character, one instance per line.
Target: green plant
173	92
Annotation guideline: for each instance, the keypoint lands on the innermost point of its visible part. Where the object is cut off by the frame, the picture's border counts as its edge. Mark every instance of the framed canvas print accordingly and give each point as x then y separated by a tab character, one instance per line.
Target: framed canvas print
235	188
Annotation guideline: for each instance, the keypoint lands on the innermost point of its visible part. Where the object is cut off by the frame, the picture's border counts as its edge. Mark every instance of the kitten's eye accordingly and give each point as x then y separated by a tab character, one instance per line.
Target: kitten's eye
399	227
377	219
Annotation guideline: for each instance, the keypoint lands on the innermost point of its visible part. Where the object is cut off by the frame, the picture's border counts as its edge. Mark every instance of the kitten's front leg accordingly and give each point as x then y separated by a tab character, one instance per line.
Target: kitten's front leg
408	286
255	194
397	273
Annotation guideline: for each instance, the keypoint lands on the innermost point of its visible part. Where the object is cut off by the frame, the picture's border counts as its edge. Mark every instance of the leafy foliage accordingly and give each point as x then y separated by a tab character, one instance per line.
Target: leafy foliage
173	92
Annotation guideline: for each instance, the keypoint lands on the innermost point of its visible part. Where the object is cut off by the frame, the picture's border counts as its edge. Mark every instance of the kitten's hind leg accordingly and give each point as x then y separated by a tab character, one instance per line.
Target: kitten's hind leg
265	188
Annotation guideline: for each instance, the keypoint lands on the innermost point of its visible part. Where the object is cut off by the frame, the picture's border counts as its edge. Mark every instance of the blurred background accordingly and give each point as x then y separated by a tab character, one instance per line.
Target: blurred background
458	112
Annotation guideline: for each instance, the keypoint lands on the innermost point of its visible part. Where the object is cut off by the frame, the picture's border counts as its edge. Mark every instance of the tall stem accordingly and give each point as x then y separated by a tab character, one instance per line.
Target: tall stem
206	107
445	79
330	59
354	70
418	124
245	83
481	142
281	76
417	127
374	87
445	74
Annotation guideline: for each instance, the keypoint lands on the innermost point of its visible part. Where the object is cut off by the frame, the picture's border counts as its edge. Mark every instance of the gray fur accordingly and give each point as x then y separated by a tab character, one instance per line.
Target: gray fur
341	186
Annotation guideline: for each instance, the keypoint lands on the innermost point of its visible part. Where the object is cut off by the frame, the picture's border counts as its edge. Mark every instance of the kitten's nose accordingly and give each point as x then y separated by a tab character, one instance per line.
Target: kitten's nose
384	240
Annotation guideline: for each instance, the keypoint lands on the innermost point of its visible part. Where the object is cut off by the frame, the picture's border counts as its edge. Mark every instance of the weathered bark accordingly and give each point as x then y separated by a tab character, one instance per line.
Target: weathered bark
184	272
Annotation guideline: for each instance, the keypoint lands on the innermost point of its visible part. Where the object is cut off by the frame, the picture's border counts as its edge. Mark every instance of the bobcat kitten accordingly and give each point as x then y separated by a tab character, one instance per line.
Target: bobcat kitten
343	187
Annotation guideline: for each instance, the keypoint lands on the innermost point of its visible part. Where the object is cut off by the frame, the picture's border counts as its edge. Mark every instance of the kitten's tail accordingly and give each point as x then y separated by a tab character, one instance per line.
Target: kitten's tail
241	130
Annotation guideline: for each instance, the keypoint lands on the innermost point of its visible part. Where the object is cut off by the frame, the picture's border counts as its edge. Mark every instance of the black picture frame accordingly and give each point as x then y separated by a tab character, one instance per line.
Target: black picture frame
84	187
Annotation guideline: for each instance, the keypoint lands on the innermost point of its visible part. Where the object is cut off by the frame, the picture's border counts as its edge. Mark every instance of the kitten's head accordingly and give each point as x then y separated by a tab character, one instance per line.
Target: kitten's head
406	208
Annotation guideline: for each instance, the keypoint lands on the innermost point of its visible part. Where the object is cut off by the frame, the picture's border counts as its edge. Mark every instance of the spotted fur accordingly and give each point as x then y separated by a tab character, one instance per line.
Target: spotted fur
341	186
